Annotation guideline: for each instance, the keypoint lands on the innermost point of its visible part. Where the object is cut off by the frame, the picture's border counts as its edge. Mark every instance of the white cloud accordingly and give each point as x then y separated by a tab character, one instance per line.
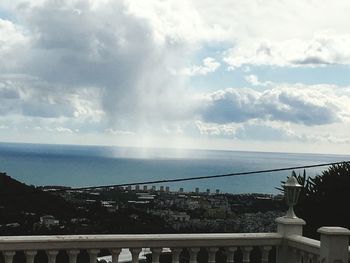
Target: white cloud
13	43
106	45
253	80
276	132
323	49
224	130
270	131
27	96
106	67
301	104
119	132
210	65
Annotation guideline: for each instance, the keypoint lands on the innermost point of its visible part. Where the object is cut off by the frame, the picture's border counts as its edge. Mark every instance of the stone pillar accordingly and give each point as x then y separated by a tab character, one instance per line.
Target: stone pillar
246	254
115	254
334	244
286	227
265	250
30	254
8	255
93	253
73	255
193	254
231	254
156	254
135	252
176	254
51	256
212	254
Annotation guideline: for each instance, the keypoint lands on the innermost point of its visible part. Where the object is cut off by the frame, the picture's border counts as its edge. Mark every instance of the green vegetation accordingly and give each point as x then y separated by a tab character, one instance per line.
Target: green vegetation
325	198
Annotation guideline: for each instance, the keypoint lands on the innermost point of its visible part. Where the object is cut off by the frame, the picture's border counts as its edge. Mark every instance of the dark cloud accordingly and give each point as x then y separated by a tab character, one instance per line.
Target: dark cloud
30	97
231	105
302	105
262	132
74	44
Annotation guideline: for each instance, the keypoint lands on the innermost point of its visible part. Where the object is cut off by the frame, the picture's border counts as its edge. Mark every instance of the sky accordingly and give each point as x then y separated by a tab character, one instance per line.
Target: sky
233	75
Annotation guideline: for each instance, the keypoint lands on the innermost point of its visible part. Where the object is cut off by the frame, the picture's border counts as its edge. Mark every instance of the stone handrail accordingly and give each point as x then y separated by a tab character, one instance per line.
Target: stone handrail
72	244
291	246
130	241
304	249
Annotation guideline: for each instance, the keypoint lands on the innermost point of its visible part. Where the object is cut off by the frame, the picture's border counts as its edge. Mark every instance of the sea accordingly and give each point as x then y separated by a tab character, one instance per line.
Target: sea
85	166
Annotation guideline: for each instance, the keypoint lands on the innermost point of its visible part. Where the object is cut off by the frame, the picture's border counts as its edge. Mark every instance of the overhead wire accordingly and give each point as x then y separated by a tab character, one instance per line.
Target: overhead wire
207	176
34	191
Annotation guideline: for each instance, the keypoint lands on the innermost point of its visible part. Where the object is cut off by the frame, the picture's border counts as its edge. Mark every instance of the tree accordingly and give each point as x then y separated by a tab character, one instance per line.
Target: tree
325	199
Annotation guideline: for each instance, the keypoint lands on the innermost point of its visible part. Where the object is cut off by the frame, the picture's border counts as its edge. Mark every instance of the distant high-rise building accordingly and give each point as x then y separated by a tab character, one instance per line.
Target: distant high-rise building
153	188
197	190
167	189
129	188
161	188
145	188
137	187
181	190
208	191
217	191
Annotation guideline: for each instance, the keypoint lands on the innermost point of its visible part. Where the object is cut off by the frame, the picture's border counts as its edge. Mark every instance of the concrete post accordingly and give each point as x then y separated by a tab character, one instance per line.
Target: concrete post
212	254
231	254
176	254
156	254
193	254
135	252
334	244
115	254
286	227
51	256
93	253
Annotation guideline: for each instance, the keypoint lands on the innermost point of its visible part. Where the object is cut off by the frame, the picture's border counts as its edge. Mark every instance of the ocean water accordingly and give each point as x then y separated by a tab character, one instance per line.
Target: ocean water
79	166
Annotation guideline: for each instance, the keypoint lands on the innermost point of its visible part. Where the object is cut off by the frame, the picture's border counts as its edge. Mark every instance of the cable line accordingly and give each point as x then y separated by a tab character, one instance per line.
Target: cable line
209	176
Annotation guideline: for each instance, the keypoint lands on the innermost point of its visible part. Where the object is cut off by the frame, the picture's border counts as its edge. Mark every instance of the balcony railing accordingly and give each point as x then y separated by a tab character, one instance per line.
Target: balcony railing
287	243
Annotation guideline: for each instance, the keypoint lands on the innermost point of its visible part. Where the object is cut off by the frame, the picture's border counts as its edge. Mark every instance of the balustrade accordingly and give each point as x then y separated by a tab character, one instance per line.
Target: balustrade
237	248
94	244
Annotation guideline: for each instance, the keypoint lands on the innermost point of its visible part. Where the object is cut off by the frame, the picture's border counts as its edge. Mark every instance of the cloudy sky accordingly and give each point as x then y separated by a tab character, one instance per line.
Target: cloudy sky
238	75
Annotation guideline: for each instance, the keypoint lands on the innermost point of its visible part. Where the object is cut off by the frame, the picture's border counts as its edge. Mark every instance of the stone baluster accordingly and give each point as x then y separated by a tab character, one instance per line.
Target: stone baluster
212	254
115	254
51	255
73	255
93	253
246	254
231	254
176	254
8	255
308	258
314	258
156	254
297	256
135	252
30	254
193	254
265	250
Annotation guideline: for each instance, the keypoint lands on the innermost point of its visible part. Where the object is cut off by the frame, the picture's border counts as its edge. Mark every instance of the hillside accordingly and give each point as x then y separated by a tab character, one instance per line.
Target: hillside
18	199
